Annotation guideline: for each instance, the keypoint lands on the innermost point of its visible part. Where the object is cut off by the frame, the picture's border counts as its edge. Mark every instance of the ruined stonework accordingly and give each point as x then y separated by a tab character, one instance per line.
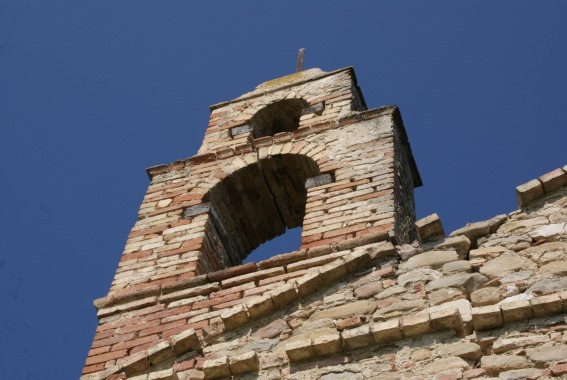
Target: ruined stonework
370	294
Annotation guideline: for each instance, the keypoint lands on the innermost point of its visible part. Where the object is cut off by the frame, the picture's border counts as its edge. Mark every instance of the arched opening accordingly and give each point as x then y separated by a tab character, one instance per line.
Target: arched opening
281	116
257	203
289	241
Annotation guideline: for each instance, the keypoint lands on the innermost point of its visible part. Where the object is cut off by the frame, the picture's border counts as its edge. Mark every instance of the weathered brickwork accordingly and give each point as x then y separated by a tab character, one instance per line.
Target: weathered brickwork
370	294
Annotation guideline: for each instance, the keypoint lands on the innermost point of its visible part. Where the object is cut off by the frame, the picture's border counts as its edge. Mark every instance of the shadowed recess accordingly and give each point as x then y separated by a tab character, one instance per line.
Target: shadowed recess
259	202
281	116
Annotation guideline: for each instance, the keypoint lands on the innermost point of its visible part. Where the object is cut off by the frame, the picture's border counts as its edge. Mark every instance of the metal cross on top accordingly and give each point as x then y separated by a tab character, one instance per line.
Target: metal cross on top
300	55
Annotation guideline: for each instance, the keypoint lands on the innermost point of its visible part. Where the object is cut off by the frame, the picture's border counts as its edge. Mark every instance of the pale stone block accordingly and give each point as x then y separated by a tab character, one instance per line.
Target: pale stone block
386	331
516	311
135	363
185	341
430	227
495	364
473	230
299	350
327	344
528	192
309	283
553	180
507	344
333	271
446	364
244	363
546	305
548	231
357	337
418	324
356	260
216	368
234	317
449	318
345	311
192	374
487	317
283	295
433	259
166	374
160	352
260	306
464	350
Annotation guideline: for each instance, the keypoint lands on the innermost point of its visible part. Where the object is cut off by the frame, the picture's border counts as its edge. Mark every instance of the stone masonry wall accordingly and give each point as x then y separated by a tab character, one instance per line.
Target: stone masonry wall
372	310
361	298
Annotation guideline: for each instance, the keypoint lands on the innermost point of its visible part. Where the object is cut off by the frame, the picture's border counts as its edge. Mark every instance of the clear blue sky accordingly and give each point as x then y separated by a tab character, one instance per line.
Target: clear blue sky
93	92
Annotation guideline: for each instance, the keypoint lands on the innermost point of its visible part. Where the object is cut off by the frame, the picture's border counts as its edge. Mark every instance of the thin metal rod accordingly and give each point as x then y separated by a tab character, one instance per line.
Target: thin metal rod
300	59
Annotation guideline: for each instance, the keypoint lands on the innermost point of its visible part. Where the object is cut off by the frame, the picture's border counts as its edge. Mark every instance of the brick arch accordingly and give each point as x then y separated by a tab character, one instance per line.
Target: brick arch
256	203
280	116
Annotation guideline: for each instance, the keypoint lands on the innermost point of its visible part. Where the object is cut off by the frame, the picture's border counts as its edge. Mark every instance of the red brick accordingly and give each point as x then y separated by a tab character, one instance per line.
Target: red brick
348	184
93	368
176	330
204	158
104	334
162	327
324	241
188	275
193	243
116	324
344	230
237	289
148	231
103	358
349	323
184	365
176	251
559	369
98	351
136	255
215	301
226	305
283	259
188	197
199	362
282	277
311	238
198	325
372	195
173	207
135	342
181	223
112	340
378	229
232	272
141	347
130	294
138	327
144	311
168	313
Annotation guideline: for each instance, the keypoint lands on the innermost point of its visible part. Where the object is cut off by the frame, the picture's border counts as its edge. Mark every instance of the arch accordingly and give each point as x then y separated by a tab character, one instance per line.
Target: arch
280	116
257	203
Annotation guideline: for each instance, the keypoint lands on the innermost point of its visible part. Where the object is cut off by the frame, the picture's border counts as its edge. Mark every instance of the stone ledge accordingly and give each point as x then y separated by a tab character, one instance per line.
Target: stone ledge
544	185
126	300
141	361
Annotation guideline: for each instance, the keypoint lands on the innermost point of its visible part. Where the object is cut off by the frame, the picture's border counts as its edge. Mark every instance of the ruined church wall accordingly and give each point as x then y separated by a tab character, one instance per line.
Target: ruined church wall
370	294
